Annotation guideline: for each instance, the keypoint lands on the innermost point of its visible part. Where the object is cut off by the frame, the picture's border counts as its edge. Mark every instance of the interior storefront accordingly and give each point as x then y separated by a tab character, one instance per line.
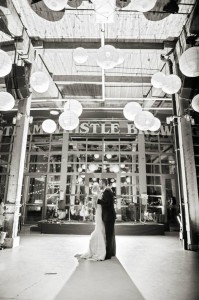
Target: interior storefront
61	168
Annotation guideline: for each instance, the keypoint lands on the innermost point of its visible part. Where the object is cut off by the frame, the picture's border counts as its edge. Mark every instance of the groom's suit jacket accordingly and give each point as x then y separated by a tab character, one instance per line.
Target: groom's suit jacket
107	203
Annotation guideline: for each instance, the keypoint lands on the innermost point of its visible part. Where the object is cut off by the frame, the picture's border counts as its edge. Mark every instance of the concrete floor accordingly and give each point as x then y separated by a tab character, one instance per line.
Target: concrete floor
146	267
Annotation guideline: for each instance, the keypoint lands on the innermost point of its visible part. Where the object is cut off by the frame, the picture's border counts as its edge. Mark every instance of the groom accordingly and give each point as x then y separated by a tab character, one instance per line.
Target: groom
108	217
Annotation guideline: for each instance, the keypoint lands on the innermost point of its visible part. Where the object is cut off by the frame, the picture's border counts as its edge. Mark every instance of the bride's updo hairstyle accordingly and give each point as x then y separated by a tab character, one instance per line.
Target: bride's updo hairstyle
95	188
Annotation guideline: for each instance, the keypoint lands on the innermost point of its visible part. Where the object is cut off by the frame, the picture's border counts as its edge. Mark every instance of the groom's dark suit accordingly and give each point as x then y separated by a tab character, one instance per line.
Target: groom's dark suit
108	217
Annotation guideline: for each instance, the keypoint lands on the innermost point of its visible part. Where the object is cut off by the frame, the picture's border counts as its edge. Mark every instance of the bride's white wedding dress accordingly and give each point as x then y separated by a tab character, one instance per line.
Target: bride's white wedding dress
97	243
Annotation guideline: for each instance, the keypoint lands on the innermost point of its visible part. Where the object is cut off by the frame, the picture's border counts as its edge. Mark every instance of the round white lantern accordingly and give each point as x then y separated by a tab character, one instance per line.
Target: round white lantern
156	125
157	80
189	62
122	166
114	168
114	185
172	83
49	126
195	103
144	120
143	5
39	81
55	5
107	57
92	167
80	55
7	101
83	167
73	105
109	156
5	63
96	155
80	179
131	109
79	170
68	120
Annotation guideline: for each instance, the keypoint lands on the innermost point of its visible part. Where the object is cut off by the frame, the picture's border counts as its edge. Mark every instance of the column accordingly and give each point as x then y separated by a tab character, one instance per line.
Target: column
189	178
16	173
64	164
142	164
142	174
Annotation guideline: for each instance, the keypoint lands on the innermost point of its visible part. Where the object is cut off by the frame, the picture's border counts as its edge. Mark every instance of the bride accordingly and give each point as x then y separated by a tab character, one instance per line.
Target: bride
97	243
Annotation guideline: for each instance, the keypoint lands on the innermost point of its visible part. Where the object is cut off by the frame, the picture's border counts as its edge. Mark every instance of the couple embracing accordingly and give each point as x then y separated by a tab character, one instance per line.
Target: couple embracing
102	239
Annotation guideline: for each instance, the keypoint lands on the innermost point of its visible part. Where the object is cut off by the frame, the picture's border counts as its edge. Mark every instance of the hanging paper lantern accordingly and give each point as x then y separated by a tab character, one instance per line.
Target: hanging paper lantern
79	170
68	120
80	55
114	168
128	179
92	167
80	179
144	120
39	81
104	11
189	62
96	155
157	80
172	84
156	125
114	185
7	101
73	105
107	57
49	126
195	103
122	166
55	5
5	63
131	109
83	167
143	5
109	156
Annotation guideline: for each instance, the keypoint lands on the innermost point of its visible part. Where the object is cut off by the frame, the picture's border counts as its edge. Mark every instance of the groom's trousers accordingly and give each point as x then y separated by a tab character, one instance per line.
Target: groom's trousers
110	238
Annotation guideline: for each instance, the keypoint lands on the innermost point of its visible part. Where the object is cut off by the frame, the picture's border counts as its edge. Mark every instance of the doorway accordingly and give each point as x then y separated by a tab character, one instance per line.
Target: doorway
34	199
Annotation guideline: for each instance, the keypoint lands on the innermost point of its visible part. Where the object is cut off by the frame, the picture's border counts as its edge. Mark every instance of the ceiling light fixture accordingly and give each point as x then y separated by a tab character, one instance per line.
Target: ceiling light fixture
54	112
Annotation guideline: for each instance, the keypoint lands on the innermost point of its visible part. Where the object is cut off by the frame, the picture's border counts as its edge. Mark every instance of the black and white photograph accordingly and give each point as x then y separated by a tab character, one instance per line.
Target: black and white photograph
99	149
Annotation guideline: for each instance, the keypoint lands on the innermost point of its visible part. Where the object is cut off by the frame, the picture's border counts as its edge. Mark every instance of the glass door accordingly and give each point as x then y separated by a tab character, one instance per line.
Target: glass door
34	202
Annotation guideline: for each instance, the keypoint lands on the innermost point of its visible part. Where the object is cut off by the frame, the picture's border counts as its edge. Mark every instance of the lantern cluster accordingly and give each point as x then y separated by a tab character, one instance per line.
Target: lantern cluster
170	84
68	120
189	66
7	101
107	57
143	120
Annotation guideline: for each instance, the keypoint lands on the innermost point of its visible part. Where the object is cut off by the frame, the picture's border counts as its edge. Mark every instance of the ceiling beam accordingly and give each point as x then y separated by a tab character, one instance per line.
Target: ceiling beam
67	79
43	100
96	43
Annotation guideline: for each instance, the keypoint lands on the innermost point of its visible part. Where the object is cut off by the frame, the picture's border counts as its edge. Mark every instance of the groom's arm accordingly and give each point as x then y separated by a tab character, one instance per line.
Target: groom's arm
106	199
